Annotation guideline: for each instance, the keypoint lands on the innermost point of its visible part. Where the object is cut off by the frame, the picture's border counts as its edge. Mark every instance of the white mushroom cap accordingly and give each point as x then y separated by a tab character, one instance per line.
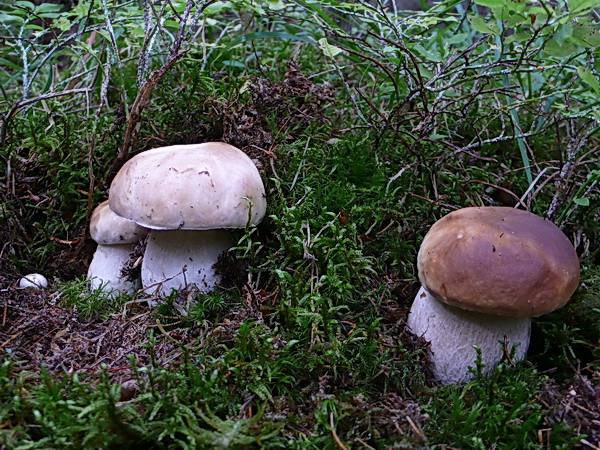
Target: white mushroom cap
107	228
189	187
498	260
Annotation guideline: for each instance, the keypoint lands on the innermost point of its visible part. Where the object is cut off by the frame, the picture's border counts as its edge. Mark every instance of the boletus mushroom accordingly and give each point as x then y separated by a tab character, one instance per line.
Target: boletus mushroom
116	238
485	271
189	196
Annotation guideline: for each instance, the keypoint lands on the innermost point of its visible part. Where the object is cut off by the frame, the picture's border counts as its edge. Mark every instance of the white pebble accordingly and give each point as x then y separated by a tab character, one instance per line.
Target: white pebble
33	280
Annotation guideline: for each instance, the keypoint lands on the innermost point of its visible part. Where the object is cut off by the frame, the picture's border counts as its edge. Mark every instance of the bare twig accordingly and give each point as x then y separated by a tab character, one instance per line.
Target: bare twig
578	139
133	125
336	438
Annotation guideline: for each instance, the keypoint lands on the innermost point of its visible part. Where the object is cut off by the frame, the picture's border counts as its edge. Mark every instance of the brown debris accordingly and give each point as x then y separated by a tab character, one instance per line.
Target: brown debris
396	417
133	268
231	269
576	404
295	101
38	331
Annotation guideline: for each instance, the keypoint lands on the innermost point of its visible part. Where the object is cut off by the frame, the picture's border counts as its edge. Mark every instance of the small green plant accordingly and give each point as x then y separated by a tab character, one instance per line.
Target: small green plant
500	410
213	305
232	432
91	303
570	337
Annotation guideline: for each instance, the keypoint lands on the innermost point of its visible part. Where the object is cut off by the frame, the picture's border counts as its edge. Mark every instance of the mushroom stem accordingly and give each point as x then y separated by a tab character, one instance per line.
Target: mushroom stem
178	259
453	332
106	269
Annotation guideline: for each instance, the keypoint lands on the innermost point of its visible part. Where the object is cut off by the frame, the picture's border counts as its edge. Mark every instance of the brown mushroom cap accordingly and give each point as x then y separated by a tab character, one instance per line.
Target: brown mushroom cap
189	187
498	260
107	228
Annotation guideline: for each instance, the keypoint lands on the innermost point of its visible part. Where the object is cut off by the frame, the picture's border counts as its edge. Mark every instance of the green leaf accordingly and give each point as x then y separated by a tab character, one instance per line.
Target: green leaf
430	55
564	31
6	18
491	3
582	201
589	78
276	5
233	63
580	5
553	48
12	65
511	14
482	26
589	34
33	26
63	24
519	36
172	24
25	4
519	6
457	38
328	49
323	15
217	7
426	73
81	10
50	15
48	7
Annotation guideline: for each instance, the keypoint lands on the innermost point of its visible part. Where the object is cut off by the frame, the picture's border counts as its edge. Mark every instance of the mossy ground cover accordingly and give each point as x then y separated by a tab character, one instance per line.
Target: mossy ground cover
366	127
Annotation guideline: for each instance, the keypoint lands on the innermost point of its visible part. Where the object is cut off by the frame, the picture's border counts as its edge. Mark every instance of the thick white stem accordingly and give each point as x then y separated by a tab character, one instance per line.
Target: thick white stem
178	259
105	269
453	332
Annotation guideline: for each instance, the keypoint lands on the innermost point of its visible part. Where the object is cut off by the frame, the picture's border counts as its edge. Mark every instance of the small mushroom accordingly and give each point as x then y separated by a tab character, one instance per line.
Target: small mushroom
484	273
33	281
116	238
189	196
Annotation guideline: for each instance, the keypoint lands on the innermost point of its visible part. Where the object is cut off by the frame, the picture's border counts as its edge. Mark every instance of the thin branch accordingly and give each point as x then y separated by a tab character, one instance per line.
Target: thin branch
135	116
578	139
